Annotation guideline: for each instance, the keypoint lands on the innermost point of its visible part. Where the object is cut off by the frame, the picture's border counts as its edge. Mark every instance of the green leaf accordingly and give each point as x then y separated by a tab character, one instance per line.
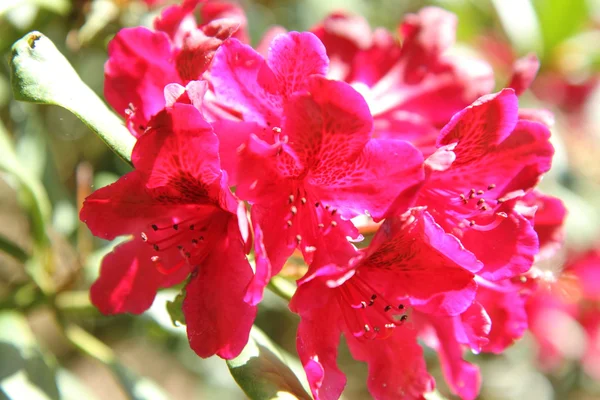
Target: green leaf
560	19
261	372
41	74
175	309
25	371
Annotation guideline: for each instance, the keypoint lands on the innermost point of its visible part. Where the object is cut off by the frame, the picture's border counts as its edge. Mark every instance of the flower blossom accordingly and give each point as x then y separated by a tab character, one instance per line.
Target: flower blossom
185	222
303	156
410	266
413	88
142	61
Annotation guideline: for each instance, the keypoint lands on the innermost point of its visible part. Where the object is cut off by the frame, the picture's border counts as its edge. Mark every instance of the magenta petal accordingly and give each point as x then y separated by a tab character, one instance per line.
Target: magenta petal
136	73
180	155
397	368
293	57
262	275
381	177
129	280
233	137
509	319
524	71
327	128
506	251
463	378
413	257
234	73
487	122
317	343
121	208
218	320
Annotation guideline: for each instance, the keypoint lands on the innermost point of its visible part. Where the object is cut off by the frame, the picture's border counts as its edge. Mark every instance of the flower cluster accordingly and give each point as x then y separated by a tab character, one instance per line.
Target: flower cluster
312	130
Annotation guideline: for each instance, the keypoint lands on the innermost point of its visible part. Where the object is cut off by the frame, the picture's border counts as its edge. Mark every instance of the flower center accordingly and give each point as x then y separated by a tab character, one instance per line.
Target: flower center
368	314
187	236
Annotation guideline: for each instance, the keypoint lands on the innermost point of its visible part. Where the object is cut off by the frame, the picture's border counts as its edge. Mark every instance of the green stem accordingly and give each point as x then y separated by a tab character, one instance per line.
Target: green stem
13	249
282	287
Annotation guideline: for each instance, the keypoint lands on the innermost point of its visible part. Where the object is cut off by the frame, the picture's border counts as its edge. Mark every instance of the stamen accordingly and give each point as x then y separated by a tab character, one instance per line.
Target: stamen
144	237
289	222
293	210
291	198
500	216
490	187
154	227
303	200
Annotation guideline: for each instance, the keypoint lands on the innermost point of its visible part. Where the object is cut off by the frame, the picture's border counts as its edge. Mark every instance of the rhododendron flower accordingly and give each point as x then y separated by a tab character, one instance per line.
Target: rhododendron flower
486	160
412	89
185	222
548	215
142	62
305	159
565	318
411	265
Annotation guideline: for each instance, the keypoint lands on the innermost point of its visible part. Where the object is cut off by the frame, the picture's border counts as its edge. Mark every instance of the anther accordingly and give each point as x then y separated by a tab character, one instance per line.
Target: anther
276	129
333	223
293	210
471	193
327	207
480	192
179	247
484	207
291	198
191	227
155	258
334	211
154	227
175	226
376	329
363	304
321	226
400	306
403	318
289	222
490	187
390	326
187	254
298	238
367	328
194	242
471	223
480	202
317	204
155	246
144	237
387	308
463	198
303	200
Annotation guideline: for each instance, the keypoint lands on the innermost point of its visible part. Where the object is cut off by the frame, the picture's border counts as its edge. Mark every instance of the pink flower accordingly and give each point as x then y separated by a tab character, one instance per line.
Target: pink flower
185	222
487	159
412	89
304	159
142	62
410	266
565	317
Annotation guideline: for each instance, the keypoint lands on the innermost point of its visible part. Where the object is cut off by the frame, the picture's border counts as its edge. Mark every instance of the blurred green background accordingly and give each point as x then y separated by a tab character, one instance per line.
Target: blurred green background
54	345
